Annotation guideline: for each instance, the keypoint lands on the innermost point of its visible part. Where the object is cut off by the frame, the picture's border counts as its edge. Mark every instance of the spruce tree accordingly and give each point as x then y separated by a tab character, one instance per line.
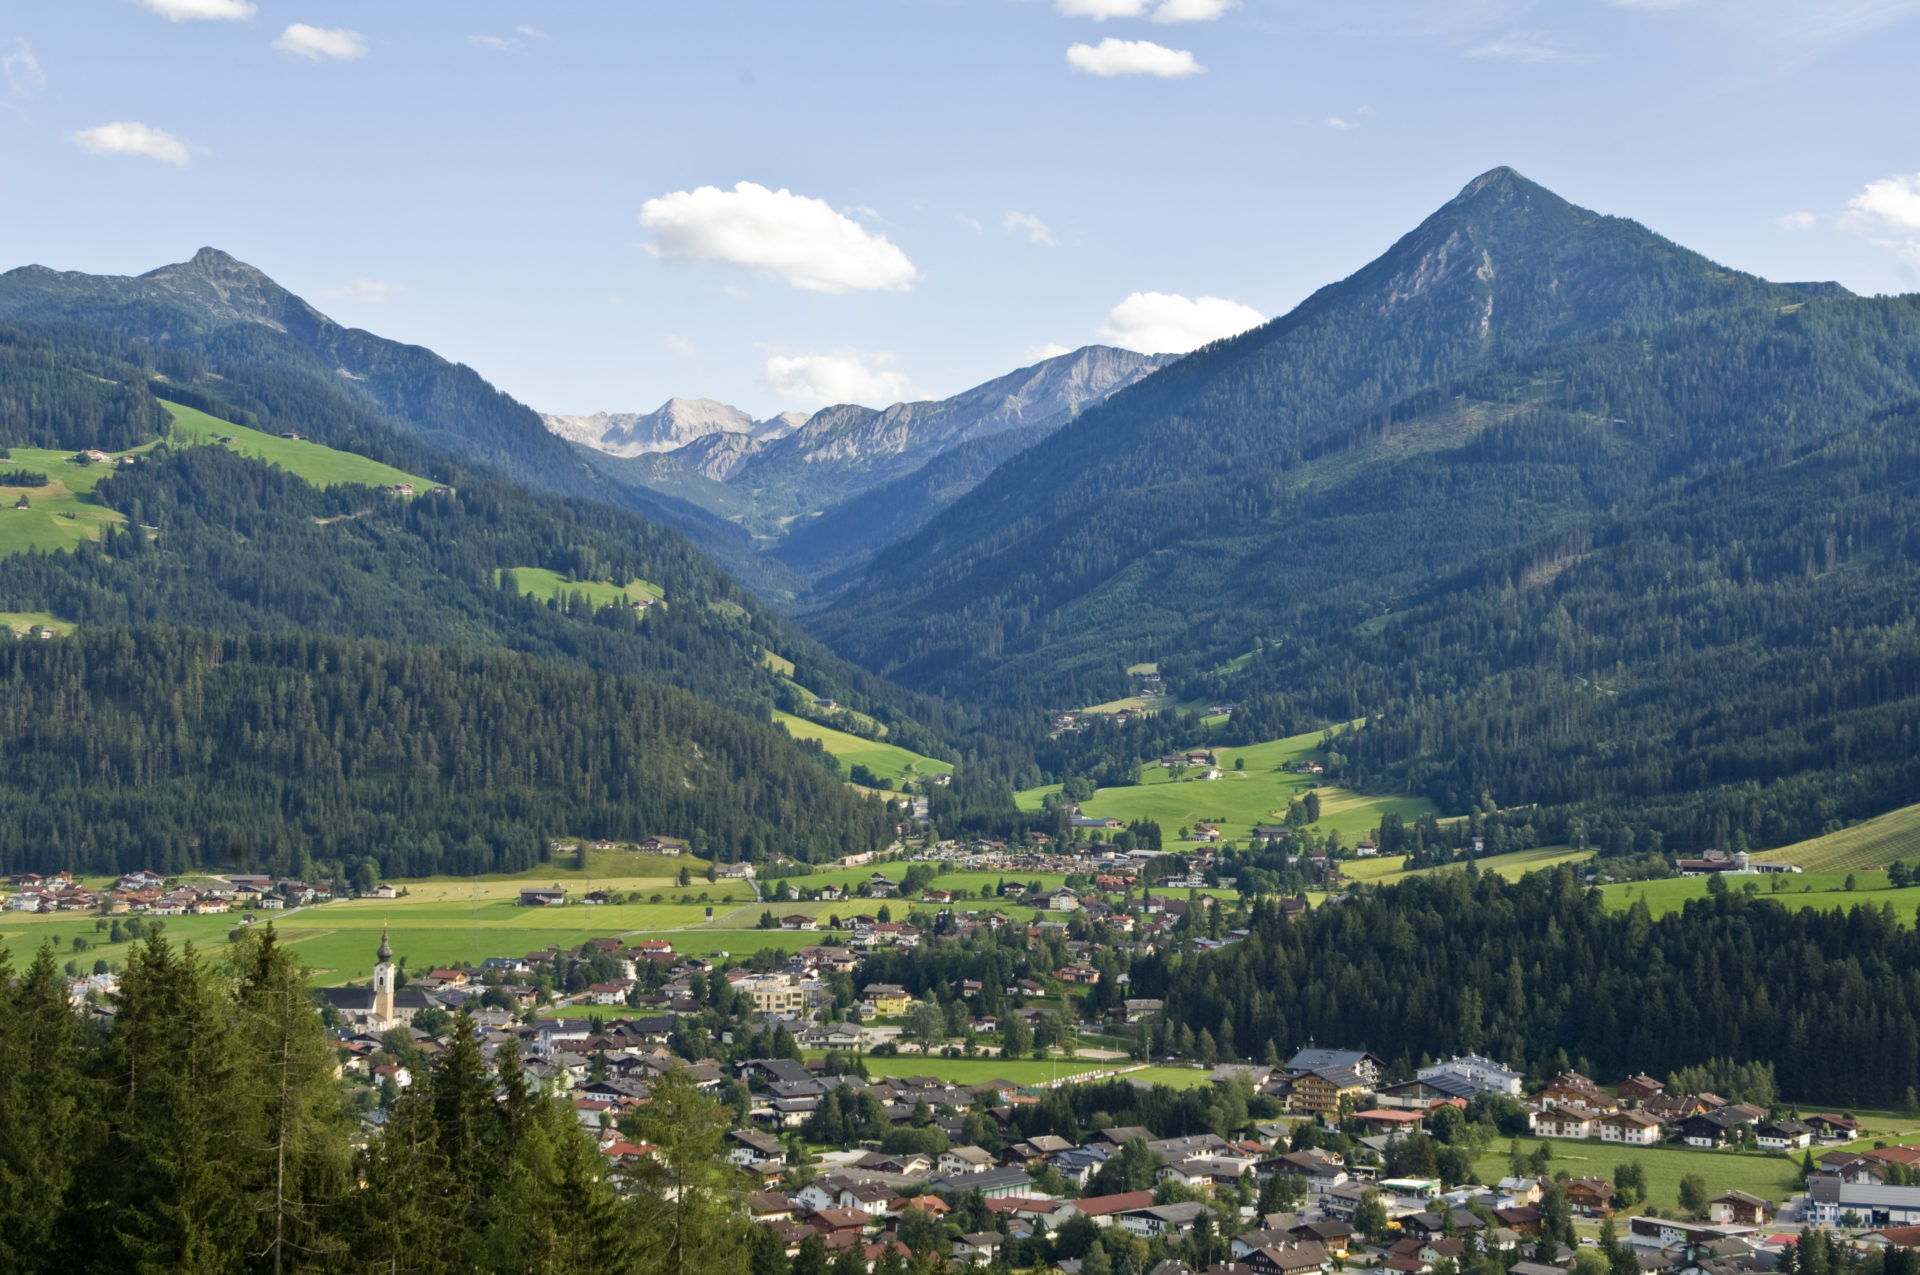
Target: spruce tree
41	1124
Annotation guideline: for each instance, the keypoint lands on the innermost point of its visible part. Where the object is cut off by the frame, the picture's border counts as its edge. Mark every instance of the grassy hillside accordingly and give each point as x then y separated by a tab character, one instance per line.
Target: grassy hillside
542	584
1243	798
321	466
61	514
1511	866
886	761
1873	844
1820	889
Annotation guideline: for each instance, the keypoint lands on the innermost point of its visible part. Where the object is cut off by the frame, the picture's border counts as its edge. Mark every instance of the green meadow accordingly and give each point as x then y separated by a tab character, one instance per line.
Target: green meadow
1769	1177
1243	797
538	582
886	761
61	514
23	621
321	466
1825	889
1512	866
1875	843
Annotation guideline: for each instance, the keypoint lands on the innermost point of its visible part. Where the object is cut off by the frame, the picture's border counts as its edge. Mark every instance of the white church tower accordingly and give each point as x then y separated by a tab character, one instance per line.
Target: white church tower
383	972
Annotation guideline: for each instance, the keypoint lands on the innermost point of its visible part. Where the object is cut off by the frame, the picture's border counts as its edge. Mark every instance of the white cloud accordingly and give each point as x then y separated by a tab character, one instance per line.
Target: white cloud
1035	229
23	72
1164	11
1167	323
201	10
495	43
1190	10
971	223
1051	350
1132	57
845	376
792	237
368	291
125	137
1799	221
1523	47
680	346
1894	202
532	33
1334	121
1100	10
315	43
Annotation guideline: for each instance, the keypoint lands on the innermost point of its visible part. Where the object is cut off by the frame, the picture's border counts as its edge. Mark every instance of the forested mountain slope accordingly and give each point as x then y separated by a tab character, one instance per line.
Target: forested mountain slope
1065	564
170	748
1580	517
216	546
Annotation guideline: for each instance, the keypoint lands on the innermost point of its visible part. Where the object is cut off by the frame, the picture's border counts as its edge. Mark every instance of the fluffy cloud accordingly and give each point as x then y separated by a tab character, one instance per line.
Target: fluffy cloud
680	346
791	237
369	291
1799	221
125	137
1334	121
1163	11
315	43
1892	202
201	10
845	376
1132	57
23	72
1035	230
498	43
1167	323
1051	350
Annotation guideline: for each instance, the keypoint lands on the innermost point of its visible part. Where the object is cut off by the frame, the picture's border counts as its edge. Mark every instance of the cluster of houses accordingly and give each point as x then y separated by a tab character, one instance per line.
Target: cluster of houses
148	894
855	1199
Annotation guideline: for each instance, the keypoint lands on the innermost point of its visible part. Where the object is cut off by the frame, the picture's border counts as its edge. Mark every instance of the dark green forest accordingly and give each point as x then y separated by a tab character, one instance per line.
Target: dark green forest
166	748
1540	973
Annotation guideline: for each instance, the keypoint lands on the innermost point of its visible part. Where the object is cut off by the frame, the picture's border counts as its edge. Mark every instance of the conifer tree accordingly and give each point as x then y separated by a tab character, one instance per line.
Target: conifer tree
688	1221
40	1109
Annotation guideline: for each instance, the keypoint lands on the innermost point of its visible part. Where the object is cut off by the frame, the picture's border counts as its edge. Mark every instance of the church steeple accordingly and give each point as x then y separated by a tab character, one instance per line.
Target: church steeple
383	984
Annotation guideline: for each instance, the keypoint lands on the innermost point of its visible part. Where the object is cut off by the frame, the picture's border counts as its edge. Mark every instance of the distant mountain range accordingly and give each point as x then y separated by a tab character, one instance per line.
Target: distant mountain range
673	425
774	477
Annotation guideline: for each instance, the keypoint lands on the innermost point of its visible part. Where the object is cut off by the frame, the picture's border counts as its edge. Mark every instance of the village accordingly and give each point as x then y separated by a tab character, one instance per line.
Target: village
1312	1175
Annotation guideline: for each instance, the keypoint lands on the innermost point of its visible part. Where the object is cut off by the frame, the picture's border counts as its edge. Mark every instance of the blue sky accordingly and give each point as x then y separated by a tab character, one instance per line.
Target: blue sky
965	188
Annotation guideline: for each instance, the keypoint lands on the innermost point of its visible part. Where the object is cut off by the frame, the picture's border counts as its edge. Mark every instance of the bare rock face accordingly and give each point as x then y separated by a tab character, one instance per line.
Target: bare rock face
673	425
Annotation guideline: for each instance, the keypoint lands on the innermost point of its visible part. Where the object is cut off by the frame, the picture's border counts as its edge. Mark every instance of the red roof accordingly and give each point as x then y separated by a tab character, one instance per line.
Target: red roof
1101	1205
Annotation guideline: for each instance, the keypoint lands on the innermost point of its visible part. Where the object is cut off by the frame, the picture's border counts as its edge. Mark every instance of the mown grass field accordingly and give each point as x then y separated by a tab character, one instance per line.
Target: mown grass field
61	514
22	621
538	582
886	761
1024	1071
972	882
1512	866
1241	799
1770	1177
1798	890
1876	843
321	466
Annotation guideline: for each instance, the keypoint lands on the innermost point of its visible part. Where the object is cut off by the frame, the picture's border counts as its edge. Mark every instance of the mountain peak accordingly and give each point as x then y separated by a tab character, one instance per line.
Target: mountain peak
228	288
